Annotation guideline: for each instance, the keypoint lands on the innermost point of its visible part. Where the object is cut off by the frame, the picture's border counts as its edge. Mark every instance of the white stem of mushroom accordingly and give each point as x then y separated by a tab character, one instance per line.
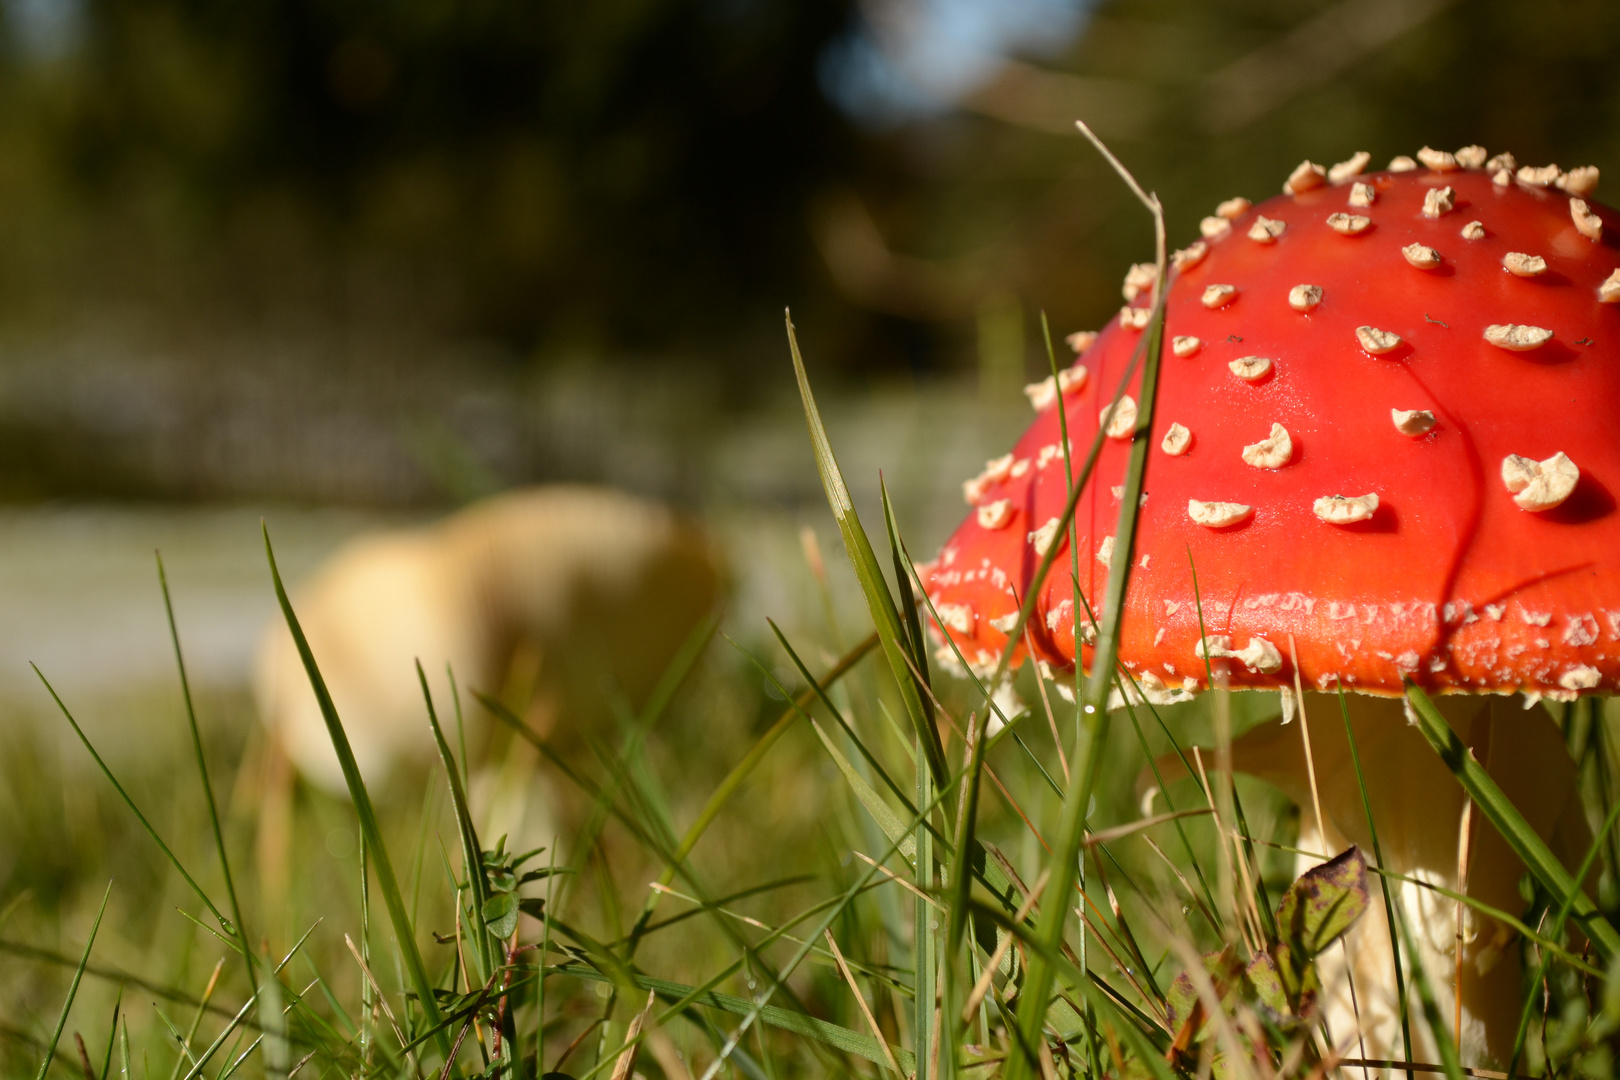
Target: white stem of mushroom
1417	805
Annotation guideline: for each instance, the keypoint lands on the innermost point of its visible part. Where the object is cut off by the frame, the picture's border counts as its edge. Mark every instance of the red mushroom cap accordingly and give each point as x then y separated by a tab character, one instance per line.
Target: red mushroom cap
1388	432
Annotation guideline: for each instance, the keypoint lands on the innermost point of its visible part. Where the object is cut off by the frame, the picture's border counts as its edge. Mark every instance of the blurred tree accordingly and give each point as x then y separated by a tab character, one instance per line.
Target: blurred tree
627	174
360	192
660	176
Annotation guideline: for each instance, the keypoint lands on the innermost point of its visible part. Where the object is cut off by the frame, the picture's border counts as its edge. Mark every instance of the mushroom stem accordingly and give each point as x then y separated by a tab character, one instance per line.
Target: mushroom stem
1417	806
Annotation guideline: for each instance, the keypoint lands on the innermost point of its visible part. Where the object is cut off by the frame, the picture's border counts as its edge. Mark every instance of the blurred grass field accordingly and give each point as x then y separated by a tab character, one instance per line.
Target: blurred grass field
65	833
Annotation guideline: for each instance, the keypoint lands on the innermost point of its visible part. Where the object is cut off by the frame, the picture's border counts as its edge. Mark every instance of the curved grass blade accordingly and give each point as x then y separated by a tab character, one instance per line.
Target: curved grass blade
73	988
840	1038
112	1036
719	902
827	703
1065	518
196	1017
960	884
908	602
219	1041
843	901
891	629
741	771
208	787
472	855
1557	929
887	820
1518	833
1438	1031
179	1039
1378	856
129	802
925	933
603	799
1033	999
1030	939
404	933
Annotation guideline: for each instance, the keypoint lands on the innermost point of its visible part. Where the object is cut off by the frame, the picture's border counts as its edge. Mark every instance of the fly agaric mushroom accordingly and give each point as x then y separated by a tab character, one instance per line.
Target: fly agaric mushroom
1468	546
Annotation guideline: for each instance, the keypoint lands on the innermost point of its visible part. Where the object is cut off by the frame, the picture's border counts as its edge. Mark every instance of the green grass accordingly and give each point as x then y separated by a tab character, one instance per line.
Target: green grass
802	856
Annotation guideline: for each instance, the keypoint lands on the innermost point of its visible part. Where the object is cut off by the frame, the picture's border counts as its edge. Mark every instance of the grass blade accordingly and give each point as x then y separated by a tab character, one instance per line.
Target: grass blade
1074	551
129	802
208	787
908	602
827	703
1438	1030
866	1011
472	855
196	1017
219	1040
112	1036
73	988
461	723
960	884
756	753
841	1038
395	903
1383	884
1555	931
1033	999
985	870
924	933
833	912
605	801
1518	833
891	630
886	819
966	840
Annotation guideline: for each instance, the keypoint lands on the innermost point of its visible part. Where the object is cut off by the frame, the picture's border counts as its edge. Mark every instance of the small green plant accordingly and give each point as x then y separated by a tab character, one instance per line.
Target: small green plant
1280	984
